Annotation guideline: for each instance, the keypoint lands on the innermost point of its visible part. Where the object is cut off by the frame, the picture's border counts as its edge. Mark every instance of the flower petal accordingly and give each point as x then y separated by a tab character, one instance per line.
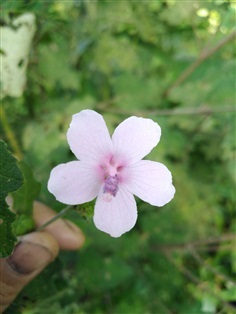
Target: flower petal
88	136
135	137
152	182
117	216
74	183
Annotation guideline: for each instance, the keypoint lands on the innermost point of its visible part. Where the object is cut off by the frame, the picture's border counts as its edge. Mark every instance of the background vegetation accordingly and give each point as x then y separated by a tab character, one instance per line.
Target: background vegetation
174	62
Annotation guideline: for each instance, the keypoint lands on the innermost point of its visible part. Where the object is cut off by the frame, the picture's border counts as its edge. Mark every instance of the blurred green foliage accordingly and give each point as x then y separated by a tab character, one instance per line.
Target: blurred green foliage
124	58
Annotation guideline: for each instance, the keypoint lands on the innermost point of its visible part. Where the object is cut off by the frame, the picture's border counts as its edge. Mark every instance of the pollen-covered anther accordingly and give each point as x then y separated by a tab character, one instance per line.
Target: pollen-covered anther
110	187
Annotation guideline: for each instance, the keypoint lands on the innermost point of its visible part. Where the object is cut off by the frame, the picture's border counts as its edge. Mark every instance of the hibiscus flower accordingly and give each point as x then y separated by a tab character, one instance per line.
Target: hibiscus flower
112	169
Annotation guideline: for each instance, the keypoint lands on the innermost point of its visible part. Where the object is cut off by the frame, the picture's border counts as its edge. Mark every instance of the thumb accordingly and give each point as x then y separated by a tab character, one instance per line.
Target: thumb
34	251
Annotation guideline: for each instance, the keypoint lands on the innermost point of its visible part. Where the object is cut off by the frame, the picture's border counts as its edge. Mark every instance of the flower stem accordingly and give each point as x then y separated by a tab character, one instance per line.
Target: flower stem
10	134
59	215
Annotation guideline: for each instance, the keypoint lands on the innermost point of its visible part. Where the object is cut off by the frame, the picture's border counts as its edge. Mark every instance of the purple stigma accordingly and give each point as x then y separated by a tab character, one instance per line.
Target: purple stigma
111	185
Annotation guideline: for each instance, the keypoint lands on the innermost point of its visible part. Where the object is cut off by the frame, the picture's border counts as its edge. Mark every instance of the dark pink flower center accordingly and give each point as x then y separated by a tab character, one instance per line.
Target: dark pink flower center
111	173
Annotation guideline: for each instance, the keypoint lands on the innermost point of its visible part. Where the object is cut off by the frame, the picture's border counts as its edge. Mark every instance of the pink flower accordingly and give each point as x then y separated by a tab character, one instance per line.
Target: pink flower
111	169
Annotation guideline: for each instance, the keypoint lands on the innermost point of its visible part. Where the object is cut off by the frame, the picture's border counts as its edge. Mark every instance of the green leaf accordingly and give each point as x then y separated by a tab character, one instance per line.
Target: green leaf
11	179
23	201
130	89
57	70
86	210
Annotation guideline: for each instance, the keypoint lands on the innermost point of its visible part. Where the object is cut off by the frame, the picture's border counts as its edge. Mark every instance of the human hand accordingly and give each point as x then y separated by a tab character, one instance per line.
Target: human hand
35	251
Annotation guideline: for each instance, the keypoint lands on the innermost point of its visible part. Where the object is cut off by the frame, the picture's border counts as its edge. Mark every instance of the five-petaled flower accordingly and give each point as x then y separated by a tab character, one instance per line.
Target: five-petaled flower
111	169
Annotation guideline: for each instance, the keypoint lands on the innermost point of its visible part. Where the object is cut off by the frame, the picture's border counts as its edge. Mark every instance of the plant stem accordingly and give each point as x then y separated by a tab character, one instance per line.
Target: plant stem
207	243
59	215
202	110
212	269
192	277
204	55
10	134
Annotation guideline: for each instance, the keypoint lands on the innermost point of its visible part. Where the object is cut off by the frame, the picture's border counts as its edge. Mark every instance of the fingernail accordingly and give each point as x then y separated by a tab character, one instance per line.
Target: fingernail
29	257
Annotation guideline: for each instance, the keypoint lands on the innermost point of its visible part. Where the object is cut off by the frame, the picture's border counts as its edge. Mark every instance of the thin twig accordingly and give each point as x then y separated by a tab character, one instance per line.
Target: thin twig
202	110
163	306
197	281
204	248
204	55
183	269
184	247
214	248
213	240
198	258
